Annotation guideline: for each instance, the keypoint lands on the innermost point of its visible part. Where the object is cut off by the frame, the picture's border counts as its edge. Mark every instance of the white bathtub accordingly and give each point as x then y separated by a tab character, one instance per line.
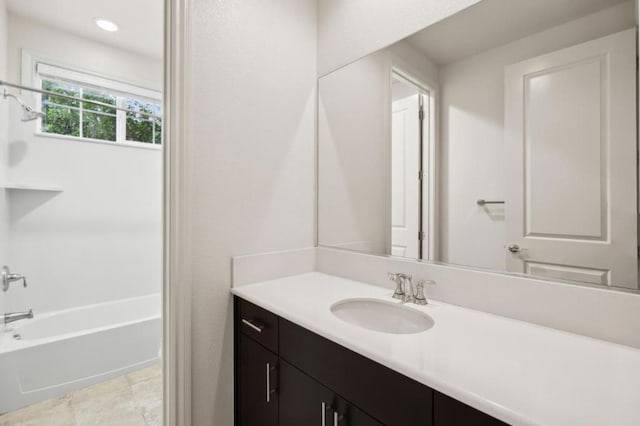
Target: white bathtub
61	351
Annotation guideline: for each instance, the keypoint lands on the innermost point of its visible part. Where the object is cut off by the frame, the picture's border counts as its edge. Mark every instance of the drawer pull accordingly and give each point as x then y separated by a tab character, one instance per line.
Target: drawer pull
256	327
324	413
269	390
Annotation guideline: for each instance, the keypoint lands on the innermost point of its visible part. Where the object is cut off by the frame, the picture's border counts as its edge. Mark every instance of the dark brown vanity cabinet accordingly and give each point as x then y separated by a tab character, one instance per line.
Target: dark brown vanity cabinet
256	366
256	381
304	401
288	376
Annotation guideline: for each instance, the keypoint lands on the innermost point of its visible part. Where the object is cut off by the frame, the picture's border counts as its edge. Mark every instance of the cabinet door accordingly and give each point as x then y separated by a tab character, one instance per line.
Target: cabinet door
346	414
382	393
450	412
303	401
257	398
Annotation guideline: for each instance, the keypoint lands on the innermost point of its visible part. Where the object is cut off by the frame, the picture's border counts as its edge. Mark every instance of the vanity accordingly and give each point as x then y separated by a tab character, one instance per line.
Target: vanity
297	363
288	375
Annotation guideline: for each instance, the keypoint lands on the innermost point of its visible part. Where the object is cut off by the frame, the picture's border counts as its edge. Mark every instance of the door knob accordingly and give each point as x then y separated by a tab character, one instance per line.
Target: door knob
513	248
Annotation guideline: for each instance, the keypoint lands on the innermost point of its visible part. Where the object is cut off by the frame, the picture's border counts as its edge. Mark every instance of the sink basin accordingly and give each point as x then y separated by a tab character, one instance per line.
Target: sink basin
380	315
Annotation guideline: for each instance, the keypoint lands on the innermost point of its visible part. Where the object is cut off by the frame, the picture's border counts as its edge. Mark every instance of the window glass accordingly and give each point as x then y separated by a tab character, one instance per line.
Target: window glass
61	115
111	116
99	121
140	127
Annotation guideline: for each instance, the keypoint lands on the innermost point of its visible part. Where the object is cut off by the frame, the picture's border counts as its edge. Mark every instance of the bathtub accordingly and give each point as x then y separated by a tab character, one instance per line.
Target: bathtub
58	352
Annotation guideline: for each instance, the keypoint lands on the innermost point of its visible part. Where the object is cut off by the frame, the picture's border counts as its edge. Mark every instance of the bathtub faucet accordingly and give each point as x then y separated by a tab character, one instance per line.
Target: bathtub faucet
17	316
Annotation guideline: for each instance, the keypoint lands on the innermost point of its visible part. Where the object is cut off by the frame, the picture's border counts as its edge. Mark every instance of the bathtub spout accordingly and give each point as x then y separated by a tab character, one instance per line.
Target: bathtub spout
16	316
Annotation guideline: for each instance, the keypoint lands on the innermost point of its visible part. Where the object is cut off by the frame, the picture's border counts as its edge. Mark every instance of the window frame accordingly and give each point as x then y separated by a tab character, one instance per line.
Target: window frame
36	68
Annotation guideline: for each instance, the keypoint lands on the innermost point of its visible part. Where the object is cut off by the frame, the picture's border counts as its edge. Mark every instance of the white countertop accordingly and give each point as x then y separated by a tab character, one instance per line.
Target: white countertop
521	373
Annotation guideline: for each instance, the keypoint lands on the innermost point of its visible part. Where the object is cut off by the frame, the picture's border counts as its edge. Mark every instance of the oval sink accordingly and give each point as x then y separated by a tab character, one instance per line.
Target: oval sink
379	315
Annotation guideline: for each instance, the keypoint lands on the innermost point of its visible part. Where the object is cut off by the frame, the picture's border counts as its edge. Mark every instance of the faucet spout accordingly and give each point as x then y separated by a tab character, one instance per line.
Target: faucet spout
409	295
404	287
17	316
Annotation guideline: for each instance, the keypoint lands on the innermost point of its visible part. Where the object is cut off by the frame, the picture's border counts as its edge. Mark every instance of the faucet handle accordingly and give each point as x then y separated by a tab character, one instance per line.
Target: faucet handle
7	278
18	277
420	299
399	291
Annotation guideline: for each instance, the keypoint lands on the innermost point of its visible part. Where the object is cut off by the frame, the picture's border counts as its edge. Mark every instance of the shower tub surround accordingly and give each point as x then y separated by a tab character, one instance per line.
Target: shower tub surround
62	351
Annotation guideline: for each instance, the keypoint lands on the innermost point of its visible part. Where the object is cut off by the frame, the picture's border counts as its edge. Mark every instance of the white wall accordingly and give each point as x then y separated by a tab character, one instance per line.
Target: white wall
4	133
354	151
472	124
348	30
353	187
252	114
100	239
81	52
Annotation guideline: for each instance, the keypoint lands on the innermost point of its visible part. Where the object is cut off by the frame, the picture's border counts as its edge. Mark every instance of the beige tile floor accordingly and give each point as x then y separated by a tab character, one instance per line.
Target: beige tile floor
134	399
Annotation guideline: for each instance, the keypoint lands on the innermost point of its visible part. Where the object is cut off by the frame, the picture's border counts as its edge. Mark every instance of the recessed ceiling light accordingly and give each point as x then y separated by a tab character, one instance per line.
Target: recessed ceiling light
106	25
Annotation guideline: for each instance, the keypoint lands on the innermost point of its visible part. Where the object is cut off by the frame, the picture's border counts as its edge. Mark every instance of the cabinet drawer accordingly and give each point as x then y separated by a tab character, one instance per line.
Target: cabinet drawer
379	391
257	323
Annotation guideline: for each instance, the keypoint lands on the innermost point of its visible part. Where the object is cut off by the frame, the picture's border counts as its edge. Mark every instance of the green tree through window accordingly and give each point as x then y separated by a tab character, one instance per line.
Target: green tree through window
69	117
61	115
142	128
99	122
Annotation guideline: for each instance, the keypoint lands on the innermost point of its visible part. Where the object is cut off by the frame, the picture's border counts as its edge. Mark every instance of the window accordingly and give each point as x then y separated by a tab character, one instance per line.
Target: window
118	112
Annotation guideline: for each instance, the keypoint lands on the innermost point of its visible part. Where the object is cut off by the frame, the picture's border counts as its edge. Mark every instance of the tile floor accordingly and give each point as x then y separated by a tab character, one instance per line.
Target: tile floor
134	399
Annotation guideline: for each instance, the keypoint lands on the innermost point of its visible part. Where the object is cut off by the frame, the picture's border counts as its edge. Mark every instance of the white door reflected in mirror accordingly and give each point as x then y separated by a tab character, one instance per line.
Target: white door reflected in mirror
406	141
571	144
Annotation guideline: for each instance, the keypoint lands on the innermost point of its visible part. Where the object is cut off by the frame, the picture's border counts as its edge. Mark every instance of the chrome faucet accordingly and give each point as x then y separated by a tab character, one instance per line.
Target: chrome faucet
404	289
17	316
8	278
402	282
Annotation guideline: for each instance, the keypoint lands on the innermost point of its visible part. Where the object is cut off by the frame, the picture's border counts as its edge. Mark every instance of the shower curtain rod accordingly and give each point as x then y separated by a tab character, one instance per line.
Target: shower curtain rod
73	98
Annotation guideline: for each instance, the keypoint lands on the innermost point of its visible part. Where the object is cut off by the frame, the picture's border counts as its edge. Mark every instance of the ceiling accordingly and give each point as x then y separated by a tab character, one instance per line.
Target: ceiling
493	23
141	22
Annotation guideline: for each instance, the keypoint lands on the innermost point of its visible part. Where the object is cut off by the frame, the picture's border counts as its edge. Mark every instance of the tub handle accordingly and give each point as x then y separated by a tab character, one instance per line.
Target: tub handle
8	277
256	326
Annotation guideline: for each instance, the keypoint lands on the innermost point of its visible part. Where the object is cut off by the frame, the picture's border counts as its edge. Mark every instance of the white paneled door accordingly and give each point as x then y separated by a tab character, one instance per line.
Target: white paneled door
570	139
405	183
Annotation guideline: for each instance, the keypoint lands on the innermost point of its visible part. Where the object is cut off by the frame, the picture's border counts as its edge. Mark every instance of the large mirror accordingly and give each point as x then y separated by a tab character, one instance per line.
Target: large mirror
503	137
